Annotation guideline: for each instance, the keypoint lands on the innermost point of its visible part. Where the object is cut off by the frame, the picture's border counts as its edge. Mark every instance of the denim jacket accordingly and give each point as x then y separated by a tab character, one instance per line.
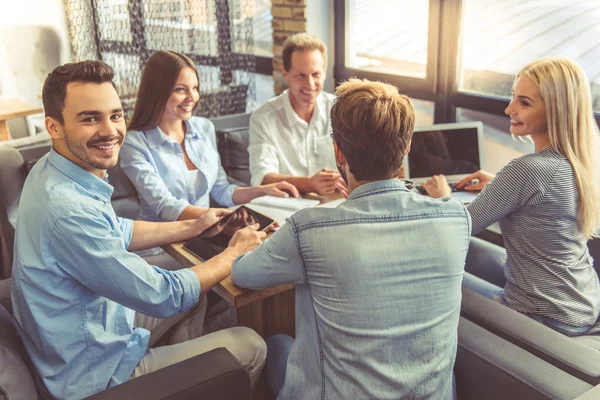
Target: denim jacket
378	291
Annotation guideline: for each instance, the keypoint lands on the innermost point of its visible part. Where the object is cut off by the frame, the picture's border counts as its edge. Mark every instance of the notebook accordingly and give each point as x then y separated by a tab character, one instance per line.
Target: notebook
455	150
280	208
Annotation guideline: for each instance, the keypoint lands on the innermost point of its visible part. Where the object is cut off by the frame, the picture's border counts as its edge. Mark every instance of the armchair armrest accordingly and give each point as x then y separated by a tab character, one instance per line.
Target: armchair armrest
557	349
486	260
492	368
216	374
593	394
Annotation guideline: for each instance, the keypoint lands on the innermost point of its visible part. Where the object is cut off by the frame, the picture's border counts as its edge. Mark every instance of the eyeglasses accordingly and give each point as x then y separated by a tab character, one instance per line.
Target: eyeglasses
408	183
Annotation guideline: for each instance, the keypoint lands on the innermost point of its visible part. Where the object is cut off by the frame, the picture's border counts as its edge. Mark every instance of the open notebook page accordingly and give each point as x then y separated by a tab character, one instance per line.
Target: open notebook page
284	203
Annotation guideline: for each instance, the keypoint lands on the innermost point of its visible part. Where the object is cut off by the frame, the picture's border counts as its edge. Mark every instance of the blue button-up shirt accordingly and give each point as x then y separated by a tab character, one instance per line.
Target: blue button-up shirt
378	290
154	164
75	287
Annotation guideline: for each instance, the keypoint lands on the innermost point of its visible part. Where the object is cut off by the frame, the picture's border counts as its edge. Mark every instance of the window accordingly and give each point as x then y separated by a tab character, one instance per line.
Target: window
423	112
462	55
254	15
522	32
388	36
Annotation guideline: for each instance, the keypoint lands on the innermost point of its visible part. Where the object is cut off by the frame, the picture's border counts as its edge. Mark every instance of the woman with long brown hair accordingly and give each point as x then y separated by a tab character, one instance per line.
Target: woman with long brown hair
171	156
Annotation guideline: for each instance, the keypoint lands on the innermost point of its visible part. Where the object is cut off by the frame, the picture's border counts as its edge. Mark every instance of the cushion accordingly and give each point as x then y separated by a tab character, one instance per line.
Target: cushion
233	149
123	186
125	200
16	382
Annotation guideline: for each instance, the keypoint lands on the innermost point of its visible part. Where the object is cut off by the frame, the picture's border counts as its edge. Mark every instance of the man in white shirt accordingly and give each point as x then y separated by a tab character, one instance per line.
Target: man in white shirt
290	134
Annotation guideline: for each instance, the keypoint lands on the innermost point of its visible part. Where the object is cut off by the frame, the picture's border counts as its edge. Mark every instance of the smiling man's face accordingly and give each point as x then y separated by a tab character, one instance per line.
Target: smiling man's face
93	128
305	77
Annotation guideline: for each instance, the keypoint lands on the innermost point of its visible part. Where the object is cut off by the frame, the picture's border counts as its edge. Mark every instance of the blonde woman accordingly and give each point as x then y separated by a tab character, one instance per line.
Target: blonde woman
547	202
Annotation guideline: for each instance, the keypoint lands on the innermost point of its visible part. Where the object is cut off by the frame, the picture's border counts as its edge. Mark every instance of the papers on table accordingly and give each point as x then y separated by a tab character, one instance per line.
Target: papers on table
284	203
280	208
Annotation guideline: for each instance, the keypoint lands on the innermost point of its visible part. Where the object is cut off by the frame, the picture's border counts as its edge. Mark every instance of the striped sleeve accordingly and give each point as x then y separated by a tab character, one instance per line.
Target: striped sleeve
523	181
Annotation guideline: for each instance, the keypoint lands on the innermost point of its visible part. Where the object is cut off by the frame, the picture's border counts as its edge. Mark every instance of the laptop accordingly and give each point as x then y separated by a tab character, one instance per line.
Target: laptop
455	150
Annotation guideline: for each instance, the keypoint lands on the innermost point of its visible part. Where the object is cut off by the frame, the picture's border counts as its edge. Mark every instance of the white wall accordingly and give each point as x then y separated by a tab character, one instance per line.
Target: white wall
319	22
33	41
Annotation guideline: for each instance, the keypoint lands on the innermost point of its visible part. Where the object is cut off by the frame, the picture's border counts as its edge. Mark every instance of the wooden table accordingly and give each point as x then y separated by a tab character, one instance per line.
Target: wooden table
268	311
14	108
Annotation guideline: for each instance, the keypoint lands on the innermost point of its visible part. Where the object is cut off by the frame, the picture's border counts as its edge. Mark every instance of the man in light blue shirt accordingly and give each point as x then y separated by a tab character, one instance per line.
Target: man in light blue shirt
84	305
378	279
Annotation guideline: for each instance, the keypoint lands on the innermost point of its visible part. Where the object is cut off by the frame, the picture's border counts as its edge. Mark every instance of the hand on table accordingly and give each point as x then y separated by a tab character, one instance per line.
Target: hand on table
280	189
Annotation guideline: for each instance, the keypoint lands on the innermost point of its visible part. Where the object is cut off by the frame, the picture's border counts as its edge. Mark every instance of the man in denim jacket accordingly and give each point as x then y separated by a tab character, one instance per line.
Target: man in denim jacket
378	279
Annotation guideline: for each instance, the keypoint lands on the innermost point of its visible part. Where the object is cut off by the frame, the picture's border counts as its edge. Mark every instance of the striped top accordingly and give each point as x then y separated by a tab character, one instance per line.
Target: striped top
548	269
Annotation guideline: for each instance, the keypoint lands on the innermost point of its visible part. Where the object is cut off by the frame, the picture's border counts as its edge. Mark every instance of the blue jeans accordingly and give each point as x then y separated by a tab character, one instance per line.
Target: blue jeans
496	293
278	350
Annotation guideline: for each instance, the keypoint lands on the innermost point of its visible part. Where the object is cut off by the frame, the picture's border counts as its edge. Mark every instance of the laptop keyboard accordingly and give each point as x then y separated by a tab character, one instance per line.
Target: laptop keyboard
452	185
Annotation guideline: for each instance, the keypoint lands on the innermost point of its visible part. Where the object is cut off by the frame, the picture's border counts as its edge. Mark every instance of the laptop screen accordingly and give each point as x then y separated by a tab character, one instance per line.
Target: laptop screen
449	149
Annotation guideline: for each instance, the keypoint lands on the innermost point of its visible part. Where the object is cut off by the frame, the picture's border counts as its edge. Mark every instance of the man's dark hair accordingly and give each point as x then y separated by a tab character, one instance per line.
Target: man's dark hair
55	86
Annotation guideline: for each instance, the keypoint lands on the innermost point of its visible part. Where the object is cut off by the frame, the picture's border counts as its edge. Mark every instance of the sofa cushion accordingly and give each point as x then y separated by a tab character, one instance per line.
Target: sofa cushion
16	381
125	200
233	149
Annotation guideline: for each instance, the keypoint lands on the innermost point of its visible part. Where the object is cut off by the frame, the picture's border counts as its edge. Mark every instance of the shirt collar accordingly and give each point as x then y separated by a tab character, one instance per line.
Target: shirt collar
293	117
98	187
157	137
378	187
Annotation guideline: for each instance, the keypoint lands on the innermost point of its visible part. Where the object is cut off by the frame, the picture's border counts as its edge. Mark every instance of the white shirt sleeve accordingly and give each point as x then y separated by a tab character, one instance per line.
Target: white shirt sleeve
263	152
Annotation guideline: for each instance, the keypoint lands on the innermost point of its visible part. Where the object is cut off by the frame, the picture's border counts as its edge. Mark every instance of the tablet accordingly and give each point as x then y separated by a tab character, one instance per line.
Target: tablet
214	239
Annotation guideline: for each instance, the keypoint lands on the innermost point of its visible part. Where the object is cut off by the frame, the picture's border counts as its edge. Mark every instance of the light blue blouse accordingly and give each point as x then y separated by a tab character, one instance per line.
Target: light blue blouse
154	164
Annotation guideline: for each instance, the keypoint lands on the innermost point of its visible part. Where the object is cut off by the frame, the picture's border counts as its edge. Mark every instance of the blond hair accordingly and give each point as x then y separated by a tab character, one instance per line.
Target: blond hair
373	125
572	129
301	42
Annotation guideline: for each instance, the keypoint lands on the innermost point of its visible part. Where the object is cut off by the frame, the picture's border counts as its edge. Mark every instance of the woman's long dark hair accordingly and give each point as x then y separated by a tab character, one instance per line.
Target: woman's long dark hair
158	79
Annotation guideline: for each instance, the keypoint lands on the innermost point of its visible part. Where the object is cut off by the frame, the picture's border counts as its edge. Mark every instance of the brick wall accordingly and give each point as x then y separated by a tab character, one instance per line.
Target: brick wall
289	17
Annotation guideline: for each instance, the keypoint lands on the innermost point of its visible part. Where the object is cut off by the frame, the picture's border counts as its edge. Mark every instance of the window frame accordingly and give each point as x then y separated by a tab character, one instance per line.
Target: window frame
441	84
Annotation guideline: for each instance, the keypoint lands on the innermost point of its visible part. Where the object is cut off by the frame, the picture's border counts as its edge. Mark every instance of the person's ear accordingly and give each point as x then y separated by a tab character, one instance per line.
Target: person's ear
408	147
340	158
54	128
285	74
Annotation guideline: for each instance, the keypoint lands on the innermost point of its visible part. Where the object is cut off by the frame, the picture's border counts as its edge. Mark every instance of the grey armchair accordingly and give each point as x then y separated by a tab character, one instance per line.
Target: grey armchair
579	356
12	177
232	142
216	374
492	368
